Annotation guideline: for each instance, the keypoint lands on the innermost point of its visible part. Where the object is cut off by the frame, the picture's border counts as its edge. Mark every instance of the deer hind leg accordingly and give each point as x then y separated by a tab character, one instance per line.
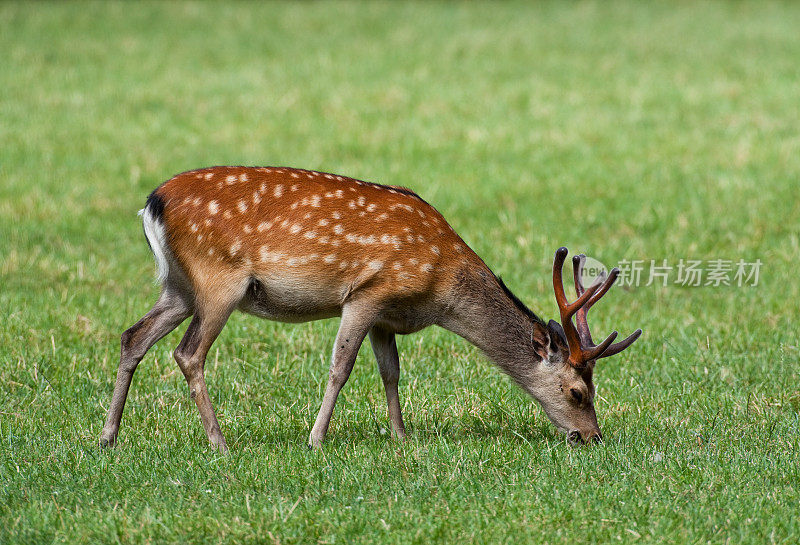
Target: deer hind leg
169	311
191	353
385	348
352	330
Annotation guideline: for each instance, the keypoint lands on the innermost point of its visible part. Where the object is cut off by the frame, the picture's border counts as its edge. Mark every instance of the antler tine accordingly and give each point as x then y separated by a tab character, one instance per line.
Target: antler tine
580	316
577	272
605	286
595	352
616	348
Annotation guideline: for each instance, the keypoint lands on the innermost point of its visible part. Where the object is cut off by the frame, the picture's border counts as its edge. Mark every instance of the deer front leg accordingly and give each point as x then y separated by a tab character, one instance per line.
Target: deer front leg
385	348
353	328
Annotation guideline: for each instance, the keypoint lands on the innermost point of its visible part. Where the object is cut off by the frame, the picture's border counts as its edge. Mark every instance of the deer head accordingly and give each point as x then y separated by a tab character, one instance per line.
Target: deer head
566	390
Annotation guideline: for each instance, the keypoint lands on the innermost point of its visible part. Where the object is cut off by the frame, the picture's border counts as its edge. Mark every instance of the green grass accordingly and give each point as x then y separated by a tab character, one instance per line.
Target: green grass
628	131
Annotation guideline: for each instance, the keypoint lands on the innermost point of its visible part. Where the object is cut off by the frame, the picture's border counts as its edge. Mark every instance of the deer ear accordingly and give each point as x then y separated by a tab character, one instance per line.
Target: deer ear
558	339
541	340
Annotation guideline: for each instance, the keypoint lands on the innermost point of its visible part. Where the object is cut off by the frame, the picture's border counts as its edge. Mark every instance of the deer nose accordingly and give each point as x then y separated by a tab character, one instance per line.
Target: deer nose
575	437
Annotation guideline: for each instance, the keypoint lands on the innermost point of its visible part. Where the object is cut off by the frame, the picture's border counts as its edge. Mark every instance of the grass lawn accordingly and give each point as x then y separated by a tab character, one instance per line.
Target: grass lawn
638	131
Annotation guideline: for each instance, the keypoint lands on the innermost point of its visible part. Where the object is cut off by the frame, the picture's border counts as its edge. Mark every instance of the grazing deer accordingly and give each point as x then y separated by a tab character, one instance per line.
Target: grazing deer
296	245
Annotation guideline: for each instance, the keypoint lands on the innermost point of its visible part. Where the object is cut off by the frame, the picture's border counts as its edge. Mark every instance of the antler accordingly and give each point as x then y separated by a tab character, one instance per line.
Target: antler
581	347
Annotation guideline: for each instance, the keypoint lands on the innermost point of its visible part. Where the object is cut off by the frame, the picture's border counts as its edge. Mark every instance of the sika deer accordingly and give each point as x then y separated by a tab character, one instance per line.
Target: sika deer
295	245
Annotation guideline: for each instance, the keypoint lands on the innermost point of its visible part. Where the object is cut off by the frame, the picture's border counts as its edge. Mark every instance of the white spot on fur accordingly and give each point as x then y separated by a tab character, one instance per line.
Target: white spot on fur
194	227
230	180
330	258
336	215
295	175
323	222
427	267
197	201
242	206
263	226
343	265
310	234
375	265
435	249
247	229
338	229
235	247
294	187
213	207
209	175
228	214
361	201
278	191
381	216
242	177
371	207
397	266
256	197
211	251
295	229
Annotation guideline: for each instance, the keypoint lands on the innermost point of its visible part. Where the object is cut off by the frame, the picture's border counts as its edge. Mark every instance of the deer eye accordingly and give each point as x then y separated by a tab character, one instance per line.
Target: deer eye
576	394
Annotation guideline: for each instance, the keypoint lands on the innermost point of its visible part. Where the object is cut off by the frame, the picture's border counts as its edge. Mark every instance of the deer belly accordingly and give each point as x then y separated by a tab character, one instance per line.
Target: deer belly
290	299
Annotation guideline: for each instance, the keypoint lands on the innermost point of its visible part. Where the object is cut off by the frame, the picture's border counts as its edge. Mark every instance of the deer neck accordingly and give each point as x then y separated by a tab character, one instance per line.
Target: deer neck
487	316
